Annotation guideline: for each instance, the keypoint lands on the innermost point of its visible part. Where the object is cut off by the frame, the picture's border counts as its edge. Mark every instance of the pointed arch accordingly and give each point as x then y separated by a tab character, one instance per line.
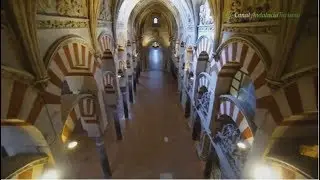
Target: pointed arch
106	42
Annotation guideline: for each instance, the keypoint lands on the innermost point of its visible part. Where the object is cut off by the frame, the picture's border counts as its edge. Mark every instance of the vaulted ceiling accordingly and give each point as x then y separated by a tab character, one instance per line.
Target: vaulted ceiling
131	15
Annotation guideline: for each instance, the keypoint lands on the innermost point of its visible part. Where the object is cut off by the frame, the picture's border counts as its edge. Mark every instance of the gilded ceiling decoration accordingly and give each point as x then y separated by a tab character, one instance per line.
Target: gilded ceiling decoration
247	8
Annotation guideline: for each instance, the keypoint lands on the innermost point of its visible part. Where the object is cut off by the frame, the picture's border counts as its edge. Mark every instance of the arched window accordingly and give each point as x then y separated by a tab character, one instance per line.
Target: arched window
155	20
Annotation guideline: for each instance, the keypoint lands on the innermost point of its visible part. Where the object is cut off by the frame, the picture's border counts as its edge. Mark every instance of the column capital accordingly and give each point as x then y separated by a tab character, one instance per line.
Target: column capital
120	48
128	43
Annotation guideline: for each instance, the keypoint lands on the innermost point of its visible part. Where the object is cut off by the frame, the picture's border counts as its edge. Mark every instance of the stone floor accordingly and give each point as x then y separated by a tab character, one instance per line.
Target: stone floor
157	140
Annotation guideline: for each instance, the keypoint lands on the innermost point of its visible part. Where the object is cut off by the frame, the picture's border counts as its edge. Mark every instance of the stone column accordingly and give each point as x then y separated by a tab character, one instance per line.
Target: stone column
117	124
134	66
123	81
180	70
188	66
103	158
130	71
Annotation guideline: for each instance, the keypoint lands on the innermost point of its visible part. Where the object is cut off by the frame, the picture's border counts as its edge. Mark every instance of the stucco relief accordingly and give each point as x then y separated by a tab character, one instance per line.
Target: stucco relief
76	8
45	24
205	14
105	11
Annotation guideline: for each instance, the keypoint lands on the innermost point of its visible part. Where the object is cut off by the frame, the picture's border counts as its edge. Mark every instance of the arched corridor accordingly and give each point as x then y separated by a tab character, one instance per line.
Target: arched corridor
223	89
144	152
156	60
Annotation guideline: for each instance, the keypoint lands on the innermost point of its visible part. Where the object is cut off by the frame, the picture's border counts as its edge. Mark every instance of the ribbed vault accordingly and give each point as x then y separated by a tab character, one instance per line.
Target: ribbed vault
136	9
142	17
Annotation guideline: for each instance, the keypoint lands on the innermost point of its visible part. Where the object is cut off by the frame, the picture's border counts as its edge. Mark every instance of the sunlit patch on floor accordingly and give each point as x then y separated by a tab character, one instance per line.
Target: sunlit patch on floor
166	139
166	176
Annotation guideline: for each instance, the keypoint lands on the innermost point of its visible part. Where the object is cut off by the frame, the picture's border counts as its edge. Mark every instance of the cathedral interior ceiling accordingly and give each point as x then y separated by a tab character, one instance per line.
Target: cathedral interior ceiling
129	9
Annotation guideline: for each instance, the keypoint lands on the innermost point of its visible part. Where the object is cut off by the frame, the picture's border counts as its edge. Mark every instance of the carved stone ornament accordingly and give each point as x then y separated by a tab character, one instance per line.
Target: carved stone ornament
105	13
77	8
18	75
245	8
48	24
205	14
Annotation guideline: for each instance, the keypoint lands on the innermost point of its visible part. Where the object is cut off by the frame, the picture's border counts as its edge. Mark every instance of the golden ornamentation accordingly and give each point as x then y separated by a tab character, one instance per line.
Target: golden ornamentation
48	24
77	8
310	151
246	7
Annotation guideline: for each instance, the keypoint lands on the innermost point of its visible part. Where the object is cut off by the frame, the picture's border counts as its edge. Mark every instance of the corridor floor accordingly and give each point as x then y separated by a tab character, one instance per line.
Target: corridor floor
156	116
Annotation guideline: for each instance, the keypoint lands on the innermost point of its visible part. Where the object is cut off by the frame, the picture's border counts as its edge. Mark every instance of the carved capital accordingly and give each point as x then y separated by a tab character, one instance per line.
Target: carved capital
18	75
274	84
42	83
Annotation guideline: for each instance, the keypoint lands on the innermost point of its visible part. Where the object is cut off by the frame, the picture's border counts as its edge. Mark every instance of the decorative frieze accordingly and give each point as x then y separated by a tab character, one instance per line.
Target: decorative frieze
67	8
240	10
270	27
55	24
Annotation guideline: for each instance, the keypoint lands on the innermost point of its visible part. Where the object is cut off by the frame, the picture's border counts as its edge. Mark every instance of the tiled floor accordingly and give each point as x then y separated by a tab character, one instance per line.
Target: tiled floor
144	151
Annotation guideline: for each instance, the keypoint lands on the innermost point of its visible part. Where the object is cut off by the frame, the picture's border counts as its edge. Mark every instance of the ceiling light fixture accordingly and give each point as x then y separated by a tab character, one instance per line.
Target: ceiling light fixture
72	144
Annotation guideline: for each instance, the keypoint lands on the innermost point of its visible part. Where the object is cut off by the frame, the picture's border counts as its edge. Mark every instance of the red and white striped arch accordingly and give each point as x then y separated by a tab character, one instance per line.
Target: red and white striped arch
204	44
69	56
109	82
85	111
106	42
294	99
230	109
